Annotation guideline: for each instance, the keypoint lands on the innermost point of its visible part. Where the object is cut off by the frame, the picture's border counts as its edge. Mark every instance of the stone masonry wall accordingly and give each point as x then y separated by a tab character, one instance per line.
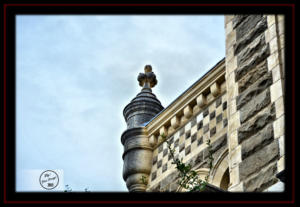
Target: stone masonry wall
189	142
255	87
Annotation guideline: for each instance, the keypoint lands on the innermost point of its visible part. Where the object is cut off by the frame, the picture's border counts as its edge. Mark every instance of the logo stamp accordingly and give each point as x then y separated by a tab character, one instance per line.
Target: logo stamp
49	179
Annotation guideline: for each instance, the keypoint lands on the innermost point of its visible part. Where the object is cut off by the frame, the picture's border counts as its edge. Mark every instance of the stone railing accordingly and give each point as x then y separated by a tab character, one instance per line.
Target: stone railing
190	103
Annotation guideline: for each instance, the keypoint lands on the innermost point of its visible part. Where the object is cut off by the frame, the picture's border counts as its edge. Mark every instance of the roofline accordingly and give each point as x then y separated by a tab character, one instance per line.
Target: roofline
183	93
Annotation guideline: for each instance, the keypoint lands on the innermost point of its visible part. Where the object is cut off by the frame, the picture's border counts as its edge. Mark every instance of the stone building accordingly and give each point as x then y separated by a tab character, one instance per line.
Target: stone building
238	105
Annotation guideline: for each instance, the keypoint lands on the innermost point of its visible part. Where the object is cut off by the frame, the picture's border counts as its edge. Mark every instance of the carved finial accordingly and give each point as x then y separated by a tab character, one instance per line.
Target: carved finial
148	79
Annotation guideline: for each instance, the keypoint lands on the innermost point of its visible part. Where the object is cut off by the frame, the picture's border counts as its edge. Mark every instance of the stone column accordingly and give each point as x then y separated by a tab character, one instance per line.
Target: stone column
254	72
137	154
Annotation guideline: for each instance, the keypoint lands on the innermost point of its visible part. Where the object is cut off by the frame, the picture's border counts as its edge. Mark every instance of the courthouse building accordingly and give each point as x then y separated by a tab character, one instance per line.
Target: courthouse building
238	105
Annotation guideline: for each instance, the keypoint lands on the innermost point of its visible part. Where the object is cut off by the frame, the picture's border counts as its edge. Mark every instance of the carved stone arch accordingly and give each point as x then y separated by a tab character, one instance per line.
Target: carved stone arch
202	173
220	171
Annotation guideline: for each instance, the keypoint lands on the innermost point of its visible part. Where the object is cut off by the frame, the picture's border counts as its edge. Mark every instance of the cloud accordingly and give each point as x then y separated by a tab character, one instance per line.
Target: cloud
75	74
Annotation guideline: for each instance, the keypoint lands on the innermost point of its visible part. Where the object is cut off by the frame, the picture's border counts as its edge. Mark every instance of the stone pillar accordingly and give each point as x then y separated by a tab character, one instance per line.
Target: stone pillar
254	73
137	154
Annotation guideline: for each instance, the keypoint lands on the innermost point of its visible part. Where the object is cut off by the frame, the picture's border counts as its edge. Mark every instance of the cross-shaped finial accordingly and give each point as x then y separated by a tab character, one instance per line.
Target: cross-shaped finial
148	79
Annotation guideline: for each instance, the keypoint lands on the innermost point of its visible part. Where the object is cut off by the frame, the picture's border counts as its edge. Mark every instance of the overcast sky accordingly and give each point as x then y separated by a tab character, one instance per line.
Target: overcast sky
75	74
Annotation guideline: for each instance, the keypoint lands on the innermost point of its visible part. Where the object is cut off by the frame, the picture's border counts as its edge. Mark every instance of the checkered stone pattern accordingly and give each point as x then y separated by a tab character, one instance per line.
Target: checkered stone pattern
201	127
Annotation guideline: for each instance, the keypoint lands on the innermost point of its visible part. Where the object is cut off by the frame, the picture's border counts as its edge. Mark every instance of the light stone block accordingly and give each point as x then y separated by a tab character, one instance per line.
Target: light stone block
194	130
176	135
232	107
201	101
267	35
280	17
234	177
233	140
199	117
228	27
281	146
230	53
276	73
234	121
231	65
281	27
187	126
278	126
281	164
187	111
279	106
272	32
273	60
270	20
276	90
228	18
215	89
281	42
273	45
230	38
233	91
237	188
235	157
175	122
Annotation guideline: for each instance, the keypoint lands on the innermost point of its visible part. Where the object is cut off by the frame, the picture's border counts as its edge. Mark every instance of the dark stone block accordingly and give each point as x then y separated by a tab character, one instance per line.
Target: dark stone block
205	112
165	167
171	140
212	131
181	147
252	76
200	141
248	52
188	134
199	158
254	32
193	122
222	141
171	178
255	105
258	57
212	115
251	127
176	143
165	152
153	176
181	131
263	179
237	19
216	145
200	125
219	118
258	160
188	150
257	141
154	160
225	105
160	148
194	137
218	102
169	157
259	86
159	164
205	128
246	24
225	122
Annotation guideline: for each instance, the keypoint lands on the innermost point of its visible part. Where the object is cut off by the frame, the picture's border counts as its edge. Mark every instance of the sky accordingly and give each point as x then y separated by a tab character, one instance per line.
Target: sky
75	75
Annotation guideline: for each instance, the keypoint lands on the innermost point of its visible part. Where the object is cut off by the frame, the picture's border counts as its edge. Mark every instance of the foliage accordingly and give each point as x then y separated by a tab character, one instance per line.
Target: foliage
189	178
